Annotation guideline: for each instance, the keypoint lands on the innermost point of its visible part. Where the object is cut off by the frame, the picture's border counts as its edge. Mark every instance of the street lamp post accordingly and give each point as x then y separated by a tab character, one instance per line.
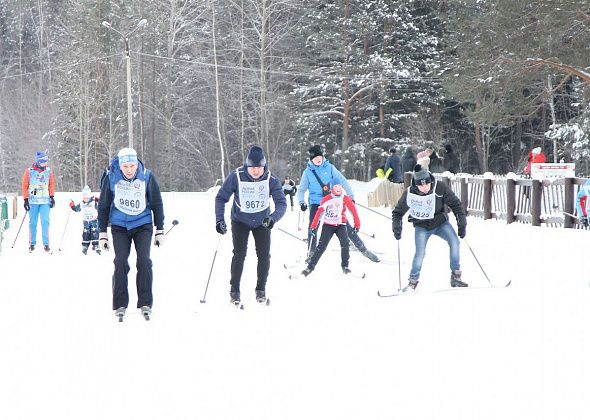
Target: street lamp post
128	65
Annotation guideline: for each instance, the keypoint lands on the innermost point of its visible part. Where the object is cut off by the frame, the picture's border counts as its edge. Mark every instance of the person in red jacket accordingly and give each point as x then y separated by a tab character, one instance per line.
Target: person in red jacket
535	156
333	209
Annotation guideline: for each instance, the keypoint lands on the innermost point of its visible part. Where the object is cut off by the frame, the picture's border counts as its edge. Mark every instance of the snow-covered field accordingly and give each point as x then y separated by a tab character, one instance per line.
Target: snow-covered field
326	348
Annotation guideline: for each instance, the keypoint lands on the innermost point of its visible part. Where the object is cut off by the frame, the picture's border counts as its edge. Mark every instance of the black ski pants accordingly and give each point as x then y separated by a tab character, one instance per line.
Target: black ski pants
327	232
122	239
240	233
312	240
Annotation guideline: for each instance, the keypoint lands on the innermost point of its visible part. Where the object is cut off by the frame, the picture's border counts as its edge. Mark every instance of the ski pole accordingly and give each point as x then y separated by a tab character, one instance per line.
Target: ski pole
370	235
367	208
211	270
174	223
290	234
399	267
19	228
64	233
476	260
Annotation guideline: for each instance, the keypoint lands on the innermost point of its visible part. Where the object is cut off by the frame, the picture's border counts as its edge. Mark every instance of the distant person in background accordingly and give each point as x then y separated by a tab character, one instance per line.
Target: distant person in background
408	160
451	161
316	179
89	209
583	203
423	158
38	191
436	164
393	167
535	156
289	189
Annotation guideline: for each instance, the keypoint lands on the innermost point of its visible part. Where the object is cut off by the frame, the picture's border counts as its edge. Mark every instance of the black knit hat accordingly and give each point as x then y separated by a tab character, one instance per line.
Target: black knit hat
448	148
256	157
421	175
315	150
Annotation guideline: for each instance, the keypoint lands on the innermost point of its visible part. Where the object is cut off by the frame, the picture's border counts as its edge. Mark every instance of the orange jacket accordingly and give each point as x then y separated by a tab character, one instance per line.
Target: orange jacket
27	180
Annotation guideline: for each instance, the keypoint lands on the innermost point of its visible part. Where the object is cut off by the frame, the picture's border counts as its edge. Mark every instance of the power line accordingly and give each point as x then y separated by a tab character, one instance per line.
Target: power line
298	74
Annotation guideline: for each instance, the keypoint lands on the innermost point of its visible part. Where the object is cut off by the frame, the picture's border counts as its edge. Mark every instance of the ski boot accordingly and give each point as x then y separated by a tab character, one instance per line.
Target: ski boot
412	284
146	311
120	313
85	249
370	255
307	271
46	248
261	297
346	270
234	298
456	279
31	248
97	251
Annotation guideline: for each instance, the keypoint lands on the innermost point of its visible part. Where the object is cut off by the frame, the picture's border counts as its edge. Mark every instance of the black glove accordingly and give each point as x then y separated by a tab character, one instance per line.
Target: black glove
268	222
221	227
584	221
461	231
397	230
303	206
355	230
27	206
313	231
51	202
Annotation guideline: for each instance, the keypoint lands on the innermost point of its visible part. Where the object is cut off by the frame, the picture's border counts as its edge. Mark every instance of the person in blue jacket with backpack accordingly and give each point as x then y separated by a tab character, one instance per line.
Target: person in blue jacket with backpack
316	181
131	202
252	186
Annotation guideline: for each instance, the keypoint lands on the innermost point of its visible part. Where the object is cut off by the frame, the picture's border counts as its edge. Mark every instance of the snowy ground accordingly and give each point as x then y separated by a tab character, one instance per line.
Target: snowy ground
326	348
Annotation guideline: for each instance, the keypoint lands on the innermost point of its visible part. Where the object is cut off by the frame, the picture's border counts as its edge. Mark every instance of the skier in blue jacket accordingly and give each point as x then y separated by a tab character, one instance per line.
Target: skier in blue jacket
316	181
131	202
252	186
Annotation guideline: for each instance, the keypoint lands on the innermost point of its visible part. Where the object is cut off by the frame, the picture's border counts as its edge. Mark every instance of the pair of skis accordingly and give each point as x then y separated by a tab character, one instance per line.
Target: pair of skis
145	313
400	293
239	305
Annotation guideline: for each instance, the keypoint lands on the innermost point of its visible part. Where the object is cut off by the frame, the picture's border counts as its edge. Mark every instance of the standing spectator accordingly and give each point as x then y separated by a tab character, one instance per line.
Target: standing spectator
316	179
393	167
535	156
252	186
334	206
451	161
89	209
408	160
131	202
289	189
423	158
436	164
583	204
38	191
426	200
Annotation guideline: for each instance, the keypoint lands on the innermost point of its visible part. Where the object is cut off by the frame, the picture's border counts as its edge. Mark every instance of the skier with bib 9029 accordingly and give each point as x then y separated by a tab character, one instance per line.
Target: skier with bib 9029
252	187
425	200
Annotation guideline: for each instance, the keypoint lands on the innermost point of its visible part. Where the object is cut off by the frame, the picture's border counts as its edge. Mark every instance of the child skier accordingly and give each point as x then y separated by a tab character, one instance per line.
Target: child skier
333	206
89	209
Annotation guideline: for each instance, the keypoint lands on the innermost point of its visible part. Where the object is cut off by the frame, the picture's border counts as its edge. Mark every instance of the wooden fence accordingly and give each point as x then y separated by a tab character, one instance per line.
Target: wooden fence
522	200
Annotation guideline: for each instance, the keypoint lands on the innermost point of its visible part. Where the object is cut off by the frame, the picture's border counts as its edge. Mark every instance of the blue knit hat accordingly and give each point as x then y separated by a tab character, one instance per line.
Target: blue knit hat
335	181
41	157
256	157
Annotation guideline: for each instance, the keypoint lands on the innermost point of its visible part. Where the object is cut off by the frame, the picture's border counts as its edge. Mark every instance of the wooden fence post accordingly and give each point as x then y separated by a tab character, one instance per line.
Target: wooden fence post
510	200
537	190
464	193
568	205
487	199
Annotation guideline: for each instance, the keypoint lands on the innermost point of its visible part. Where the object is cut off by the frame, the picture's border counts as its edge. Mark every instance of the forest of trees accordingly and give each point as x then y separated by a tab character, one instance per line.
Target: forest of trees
492	78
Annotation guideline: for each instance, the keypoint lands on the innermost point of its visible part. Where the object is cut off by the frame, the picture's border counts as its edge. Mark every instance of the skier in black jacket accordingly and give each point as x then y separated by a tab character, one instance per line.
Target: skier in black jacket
426	200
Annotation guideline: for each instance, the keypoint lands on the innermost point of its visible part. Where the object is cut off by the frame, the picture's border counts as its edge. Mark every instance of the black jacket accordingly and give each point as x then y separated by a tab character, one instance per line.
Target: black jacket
408	160
444	196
